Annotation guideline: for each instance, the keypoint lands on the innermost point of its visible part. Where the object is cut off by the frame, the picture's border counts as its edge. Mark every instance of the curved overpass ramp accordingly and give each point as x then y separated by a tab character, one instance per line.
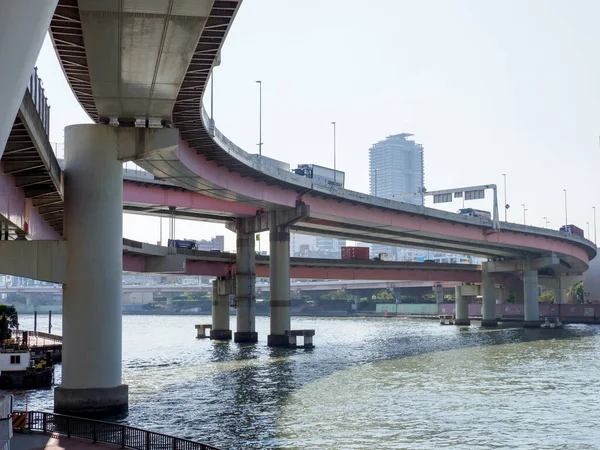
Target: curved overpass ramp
153	62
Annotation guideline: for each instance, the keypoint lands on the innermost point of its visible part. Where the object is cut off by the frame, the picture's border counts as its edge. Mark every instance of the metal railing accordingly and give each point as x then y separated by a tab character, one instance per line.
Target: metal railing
39	99
106	432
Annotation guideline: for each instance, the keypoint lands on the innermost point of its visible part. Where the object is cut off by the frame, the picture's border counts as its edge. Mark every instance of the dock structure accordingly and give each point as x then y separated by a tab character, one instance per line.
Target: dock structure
201	330
447	319
293	336
40	344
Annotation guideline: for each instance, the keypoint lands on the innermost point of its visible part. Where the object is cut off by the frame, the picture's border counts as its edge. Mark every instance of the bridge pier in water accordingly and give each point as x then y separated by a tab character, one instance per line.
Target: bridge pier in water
462	308
530	291
92	327
279	238
488	301
245	287
221	289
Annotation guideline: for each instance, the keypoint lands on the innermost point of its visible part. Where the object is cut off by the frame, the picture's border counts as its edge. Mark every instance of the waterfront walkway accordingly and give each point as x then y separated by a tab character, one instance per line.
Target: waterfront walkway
39	441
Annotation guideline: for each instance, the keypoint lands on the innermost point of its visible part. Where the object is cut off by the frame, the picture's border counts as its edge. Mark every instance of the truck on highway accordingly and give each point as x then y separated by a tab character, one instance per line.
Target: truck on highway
572	229
355	253
475	213
321	175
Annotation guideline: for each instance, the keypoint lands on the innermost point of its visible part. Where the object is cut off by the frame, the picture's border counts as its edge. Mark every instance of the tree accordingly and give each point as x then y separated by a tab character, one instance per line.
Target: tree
547	297
383	295
8	319
336	295
577	292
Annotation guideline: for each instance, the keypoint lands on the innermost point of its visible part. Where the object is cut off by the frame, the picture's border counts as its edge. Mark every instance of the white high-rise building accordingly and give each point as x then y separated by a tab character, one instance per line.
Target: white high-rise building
396	169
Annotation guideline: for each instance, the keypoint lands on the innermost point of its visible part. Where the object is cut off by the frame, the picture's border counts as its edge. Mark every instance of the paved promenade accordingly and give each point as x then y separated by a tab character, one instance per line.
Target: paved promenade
40	441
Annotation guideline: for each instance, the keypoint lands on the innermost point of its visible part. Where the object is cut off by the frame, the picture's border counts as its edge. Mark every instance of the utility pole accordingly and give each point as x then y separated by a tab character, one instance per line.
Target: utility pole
505	200
260	142
566	219
334	166
594	208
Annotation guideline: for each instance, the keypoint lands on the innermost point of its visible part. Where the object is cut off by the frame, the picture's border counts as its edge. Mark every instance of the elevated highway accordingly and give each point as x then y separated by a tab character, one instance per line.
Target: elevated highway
45	261
140	69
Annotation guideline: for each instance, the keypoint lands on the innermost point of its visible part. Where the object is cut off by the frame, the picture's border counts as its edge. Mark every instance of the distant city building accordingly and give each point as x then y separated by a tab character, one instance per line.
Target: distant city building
216	243
396	169
302	245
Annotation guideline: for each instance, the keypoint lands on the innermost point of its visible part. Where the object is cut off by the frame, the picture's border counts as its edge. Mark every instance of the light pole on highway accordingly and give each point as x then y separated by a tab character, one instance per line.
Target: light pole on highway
524	210
505	201
334	168
588	225
260	142
594	208
566	219
547	222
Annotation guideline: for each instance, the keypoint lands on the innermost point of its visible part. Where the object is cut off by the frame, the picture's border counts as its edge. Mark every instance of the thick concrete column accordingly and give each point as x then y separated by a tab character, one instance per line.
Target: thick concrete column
279	238
461	308
91	366
23	25
560	292
245	289
488	292
532	307
438	290
220	309
169	296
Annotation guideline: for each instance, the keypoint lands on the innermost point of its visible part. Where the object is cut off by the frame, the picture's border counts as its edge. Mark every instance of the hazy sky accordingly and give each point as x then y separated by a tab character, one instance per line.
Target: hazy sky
488	87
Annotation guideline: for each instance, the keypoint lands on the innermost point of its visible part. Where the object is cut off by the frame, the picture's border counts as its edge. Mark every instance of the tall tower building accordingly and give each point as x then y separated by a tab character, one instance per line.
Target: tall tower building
396	168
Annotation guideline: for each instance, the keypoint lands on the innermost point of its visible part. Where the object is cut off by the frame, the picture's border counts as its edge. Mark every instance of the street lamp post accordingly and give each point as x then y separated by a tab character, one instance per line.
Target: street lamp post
546	224
594	208
334	167
588	225
375	190
566	219
524	209
260	142
505	200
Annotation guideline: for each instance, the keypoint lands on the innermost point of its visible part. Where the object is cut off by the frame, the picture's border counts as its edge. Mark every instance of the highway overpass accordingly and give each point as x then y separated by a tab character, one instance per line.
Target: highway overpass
142	83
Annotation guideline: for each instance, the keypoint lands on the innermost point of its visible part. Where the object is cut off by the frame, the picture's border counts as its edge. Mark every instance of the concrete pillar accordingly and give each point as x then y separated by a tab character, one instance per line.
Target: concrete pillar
532	307
91	365
279	238
220	309
245	289
560	292
461	308
438	290
169	296
488	292
23	25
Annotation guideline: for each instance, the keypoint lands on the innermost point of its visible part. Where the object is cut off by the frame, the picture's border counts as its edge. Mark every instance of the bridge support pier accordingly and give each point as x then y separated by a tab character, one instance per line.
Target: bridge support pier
488	291
221	289
532	308
279	238
92	328
462	308
23	26
245	288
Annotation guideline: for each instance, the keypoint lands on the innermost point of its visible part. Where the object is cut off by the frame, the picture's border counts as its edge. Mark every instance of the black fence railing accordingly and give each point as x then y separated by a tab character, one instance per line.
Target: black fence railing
106	432
39	99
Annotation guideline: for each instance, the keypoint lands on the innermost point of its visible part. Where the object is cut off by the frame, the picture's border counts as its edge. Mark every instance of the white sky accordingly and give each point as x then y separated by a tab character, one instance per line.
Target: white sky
488	87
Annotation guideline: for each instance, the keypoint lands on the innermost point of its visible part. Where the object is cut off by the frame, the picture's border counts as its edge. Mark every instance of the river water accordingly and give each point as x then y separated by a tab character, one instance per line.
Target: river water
369	383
